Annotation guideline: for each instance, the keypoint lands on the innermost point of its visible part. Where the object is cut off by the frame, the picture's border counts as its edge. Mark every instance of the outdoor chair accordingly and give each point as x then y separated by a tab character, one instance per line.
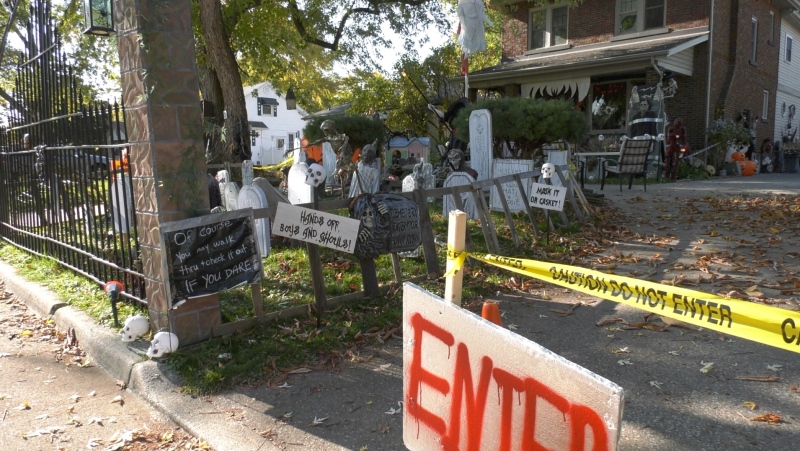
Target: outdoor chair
632	161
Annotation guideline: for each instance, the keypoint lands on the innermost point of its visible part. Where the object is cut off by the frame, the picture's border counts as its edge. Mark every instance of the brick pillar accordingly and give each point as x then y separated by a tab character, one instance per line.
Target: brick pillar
163	118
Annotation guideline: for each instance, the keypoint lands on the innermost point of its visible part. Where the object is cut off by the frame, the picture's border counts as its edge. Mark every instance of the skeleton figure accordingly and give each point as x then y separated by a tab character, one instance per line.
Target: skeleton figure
375	230
341	146
461	175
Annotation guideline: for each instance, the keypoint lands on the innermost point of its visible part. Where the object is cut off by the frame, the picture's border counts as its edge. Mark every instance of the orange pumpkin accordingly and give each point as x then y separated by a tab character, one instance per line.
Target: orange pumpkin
737	156
748	167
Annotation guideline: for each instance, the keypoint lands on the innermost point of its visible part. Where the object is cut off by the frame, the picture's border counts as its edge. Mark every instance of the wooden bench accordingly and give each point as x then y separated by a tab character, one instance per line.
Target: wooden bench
633	159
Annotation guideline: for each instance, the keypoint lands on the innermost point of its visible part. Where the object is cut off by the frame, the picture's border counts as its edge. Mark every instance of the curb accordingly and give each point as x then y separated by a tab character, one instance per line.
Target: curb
127	362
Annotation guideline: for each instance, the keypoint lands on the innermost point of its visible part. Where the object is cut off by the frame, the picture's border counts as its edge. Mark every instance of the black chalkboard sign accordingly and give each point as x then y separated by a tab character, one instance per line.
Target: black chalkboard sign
210	253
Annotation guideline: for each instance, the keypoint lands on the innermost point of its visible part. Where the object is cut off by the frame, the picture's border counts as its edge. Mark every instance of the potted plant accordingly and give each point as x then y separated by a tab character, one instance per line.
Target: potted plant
729	136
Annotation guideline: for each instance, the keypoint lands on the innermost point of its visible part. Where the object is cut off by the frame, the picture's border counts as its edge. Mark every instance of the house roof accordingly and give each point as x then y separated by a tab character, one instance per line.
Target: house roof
257	124
402	141
589	57
339	109
267	101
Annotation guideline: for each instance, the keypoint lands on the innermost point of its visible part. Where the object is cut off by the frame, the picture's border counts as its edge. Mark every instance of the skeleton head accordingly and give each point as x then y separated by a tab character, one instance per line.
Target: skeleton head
135	327
316	175
163	343
368	218
548	169
328	127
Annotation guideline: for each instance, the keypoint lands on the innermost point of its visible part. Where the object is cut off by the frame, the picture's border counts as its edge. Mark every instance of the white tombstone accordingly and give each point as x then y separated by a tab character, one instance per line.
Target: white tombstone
514	199
122	202
559	158
428	179
370	180
409	184
480	143
247	172
329	163
251	196
273	195
298	191
459	178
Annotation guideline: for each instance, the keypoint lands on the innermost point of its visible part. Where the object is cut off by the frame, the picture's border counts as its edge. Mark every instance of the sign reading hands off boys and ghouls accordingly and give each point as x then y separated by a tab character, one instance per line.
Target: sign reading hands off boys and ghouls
210	253
316	227
469	384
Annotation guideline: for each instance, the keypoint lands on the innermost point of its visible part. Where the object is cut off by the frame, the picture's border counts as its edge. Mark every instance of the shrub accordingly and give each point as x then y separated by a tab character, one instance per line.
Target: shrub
524	125
725	133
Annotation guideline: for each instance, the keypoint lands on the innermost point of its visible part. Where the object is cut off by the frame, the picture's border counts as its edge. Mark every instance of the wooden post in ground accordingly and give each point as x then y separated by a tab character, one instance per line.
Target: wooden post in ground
456	229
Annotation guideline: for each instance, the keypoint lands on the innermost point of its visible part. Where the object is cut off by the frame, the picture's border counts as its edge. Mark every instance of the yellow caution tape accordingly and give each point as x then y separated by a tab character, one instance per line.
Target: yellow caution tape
764	324
456	259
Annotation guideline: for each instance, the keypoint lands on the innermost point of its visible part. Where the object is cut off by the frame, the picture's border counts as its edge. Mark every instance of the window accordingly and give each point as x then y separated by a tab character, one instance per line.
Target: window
281	144
765	106
634	16
609	101
291	140
789	48
267	106
548	27
753	40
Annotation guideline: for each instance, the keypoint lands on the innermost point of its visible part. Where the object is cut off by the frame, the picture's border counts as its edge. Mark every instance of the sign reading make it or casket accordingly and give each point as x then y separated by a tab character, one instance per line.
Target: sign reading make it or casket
514	199
470	384
210	253
316	227
547	197
389	223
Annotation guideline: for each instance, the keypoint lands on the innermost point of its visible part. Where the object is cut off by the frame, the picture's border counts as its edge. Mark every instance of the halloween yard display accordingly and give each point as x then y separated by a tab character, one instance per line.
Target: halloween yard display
389	223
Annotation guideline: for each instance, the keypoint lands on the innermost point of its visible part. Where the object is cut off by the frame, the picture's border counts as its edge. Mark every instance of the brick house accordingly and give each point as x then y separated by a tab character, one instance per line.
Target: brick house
723	54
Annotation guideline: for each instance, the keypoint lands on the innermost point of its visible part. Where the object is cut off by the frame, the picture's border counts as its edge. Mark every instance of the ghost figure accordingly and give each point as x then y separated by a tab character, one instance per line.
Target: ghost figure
471	17
228	189
367	178
135	327
316	175
548	169
163	343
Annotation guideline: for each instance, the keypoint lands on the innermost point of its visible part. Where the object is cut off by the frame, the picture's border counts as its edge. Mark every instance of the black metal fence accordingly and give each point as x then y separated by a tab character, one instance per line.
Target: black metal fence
66	188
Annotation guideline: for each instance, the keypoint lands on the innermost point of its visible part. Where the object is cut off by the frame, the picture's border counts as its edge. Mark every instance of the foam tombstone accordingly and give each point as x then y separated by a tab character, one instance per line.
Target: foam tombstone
389	223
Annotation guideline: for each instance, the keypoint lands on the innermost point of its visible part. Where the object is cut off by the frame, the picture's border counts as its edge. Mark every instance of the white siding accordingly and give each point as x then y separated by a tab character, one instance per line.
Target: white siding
278	127
681	62
788	81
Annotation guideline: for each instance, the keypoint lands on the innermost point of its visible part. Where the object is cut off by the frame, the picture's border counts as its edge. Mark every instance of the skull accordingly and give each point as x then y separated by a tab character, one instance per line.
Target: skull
135	327
316	175
367	218
163	343
548	169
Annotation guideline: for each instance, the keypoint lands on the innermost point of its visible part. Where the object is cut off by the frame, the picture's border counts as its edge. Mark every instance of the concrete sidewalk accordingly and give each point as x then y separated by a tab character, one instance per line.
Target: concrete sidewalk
357	406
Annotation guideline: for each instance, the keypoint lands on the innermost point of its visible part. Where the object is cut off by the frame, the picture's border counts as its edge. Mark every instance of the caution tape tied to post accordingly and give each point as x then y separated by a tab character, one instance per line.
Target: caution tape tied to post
456	259
768	325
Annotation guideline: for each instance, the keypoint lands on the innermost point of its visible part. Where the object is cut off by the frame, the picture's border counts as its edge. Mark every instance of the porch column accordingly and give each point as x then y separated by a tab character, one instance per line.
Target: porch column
163	117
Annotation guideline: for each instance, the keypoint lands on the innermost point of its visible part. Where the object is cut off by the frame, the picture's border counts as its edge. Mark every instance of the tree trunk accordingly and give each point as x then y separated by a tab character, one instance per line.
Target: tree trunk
213	120
223	63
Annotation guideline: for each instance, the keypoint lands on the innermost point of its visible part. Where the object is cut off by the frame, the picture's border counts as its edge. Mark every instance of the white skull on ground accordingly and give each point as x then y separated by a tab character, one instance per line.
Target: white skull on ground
316	175
548	169
135	327
163	343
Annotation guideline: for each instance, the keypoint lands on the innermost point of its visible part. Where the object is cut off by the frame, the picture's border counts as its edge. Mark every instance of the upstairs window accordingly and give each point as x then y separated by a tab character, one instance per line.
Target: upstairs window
635	16
789	48
267	106
548	27
770	38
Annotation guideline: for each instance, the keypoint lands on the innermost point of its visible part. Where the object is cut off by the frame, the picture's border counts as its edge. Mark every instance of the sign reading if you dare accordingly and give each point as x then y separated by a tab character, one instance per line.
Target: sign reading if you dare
211	253
547	197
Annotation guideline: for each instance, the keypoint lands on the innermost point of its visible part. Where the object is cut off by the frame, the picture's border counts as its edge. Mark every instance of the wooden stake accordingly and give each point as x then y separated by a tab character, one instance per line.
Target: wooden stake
456	230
